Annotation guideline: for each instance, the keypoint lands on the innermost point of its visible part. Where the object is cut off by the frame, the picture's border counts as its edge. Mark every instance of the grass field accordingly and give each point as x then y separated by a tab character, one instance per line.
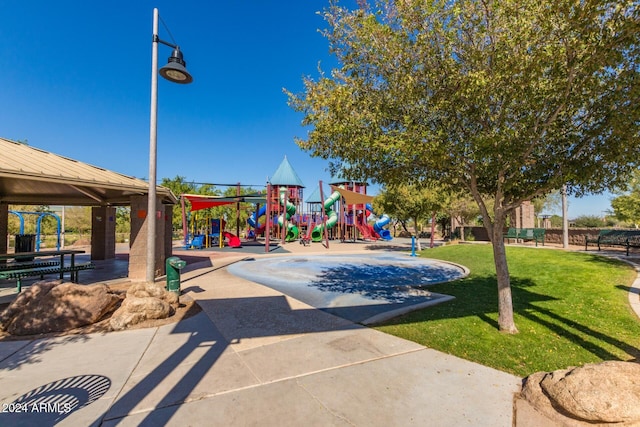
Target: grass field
570	308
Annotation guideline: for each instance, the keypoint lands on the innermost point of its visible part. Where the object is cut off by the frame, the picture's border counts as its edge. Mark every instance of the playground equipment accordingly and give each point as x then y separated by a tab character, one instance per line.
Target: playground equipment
210	236
292	230
41	215
233	240
367	231
316	234
380	223
213	230
377	226
253	219
215	233
196	243
305	239
290	211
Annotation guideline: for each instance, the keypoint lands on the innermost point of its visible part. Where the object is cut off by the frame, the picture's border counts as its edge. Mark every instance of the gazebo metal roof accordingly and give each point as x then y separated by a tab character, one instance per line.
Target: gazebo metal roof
30	176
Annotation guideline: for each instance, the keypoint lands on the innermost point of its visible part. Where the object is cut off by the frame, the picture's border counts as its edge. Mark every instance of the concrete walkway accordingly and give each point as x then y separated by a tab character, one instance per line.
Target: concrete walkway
253	356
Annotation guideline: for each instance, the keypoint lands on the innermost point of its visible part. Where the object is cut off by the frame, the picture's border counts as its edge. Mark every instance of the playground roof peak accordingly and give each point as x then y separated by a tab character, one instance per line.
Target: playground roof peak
286	175
314	197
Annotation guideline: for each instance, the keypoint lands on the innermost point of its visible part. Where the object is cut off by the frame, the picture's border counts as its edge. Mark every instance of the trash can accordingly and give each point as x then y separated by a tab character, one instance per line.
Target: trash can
25	243
173	266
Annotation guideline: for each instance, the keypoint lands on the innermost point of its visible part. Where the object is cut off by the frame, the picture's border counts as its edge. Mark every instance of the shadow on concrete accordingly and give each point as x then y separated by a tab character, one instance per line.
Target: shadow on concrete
51	403
236	319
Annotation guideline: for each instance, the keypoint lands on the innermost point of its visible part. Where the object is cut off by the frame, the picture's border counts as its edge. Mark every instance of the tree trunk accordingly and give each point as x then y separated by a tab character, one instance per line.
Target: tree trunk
418	246
433	229
505	300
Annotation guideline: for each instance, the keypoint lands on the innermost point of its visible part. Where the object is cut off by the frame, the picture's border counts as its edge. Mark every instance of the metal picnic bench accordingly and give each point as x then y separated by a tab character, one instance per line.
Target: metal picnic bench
18	270
525	234
22	265
625	238
512	233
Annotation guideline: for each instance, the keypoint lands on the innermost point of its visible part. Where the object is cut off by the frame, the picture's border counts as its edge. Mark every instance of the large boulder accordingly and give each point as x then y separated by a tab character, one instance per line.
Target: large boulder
144	302
153	290
55	306
594	394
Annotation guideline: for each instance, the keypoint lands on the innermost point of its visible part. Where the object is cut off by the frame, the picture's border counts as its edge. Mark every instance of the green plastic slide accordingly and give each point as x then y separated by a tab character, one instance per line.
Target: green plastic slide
332	217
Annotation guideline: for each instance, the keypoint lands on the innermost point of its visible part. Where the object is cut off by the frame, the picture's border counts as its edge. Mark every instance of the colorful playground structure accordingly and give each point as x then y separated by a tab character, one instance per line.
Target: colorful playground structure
210	232
279	213
332	217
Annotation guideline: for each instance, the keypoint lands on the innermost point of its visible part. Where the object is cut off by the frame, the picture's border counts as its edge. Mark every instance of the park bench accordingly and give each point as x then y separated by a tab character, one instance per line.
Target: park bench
512	233
20	273
526	234
529	234
625	238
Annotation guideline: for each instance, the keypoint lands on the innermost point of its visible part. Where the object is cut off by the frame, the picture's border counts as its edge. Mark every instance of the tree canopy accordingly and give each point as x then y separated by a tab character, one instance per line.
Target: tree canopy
508	99
626	206
408	202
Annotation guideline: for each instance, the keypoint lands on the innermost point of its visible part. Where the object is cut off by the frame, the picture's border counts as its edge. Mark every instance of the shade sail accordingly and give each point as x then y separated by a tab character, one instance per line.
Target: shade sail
203	202
351	197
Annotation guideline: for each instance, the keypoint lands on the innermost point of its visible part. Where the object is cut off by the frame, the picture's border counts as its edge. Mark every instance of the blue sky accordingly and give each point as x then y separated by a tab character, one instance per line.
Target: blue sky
76	80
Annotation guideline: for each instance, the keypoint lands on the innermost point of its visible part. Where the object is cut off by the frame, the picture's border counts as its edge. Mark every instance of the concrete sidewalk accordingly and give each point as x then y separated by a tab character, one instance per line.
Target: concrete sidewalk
253	356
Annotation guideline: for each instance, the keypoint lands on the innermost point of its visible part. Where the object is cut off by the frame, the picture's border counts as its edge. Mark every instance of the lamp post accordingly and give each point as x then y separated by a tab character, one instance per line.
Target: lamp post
176	72
565	218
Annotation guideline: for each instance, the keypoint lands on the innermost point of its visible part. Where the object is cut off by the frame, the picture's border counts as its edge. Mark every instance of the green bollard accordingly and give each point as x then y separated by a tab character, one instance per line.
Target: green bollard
174	265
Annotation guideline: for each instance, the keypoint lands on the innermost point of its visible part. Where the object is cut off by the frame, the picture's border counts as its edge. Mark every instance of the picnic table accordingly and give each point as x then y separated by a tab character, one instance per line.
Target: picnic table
26	264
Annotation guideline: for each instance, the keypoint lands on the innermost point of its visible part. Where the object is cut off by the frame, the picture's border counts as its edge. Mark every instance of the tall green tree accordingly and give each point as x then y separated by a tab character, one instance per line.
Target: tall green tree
464	210
178	186
626	206
78	220
507	99
548	203
123	219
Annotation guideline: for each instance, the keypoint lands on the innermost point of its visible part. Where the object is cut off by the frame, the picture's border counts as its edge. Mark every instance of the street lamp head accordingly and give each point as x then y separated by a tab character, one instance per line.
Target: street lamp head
175	70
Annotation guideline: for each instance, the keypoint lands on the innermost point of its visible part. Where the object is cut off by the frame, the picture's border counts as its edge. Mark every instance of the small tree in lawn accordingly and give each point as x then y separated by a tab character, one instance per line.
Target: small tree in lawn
509	99
463	209
410	202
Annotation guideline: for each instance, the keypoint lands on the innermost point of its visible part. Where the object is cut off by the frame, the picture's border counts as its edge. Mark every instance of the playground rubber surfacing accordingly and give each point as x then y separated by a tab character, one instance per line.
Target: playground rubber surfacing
362	288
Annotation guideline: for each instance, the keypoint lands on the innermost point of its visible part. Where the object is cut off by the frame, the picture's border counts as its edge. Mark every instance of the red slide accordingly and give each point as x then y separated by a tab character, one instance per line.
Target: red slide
367	232
234	241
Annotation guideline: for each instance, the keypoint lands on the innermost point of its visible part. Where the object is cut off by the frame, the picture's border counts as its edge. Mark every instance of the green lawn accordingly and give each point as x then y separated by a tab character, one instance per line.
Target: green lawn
570	308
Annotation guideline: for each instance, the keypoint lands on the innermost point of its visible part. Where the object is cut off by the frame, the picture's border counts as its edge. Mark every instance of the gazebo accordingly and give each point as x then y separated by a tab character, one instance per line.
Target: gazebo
30	176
